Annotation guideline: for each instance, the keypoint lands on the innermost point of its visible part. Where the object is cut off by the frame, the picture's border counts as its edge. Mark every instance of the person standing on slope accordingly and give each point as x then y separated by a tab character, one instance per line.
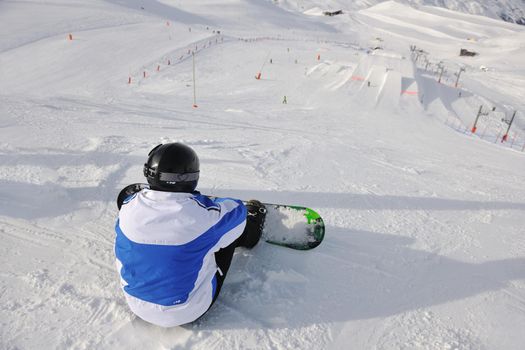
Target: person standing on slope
174	245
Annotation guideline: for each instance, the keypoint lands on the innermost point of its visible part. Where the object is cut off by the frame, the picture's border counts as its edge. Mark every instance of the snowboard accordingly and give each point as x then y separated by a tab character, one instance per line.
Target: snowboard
289	226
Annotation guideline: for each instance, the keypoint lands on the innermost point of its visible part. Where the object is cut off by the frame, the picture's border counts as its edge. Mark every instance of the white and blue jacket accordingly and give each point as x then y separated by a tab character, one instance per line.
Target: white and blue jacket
165	247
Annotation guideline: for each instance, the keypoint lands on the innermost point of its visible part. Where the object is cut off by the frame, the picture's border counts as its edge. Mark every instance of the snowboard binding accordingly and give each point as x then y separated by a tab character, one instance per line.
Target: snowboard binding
254	224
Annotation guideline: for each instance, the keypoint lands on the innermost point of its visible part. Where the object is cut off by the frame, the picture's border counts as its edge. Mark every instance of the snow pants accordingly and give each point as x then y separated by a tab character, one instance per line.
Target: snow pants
223	258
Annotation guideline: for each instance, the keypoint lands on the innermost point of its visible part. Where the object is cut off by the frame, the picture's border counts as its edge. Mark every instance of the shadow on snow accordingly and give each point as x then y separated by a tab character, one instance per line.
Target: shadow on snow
353	275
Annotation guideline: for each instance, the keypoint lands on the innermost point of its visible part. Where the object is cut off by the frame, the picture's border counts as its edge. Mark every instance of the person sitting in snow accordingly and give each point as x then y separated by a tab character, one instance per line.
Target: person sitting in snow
174	245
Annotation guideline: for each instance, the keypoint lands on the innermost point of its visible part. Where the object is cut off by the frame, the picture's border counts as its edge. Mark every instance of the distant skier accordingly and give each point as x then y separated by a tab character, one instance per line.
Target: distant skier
285	100
173	245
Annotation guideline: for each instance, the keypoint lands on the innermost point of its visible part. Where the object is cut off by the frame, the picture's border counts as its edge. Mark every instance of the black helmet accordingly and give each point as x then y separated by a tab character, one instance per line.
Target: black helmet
172	167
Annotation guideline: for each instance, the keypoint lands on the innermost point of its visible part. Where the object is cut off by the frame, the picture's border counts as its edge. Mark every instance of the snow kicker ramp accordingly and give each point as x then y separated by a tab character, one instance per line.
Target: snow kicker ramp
383	80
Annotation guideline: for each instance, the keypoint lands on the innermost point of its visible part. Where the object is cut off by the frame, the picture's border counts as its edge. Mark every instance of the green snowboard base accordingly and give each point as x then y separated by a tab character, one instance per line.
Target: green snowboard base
293	226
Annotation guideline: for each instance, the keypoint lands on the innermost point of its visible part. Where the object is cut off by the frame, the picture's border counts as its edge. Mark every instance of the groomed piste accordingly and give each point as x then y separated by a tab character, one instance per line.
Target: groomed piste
359	116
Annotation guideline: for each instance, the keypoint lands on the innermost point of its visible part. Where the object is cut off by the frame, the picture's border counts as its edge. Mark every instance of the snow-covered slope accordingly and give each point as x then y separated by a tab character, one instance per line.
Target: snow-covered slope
508	10
424	247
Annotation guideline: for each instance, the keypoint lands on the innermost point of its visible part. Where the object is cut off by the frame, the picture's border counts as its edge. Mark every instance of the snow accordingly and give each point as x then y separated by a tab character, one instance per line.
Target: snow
424	244
287	225
509	10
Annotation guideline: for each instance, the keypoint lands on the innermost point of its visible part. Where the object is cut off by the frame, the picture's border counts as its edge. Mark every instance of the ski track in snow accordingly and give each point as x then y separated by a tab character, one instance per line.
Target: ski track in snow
424	246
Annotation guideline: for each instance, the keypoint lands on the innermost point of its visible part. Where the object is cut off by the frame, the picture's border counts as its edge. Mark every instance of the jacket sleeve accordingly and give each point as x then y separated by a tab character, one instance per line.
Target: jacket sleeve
231	219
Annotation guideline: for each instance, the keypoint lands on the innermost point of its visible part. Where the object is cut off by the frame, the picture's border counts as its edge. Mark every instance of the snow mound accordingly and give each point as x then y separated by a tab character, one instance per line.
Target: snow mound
314	11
